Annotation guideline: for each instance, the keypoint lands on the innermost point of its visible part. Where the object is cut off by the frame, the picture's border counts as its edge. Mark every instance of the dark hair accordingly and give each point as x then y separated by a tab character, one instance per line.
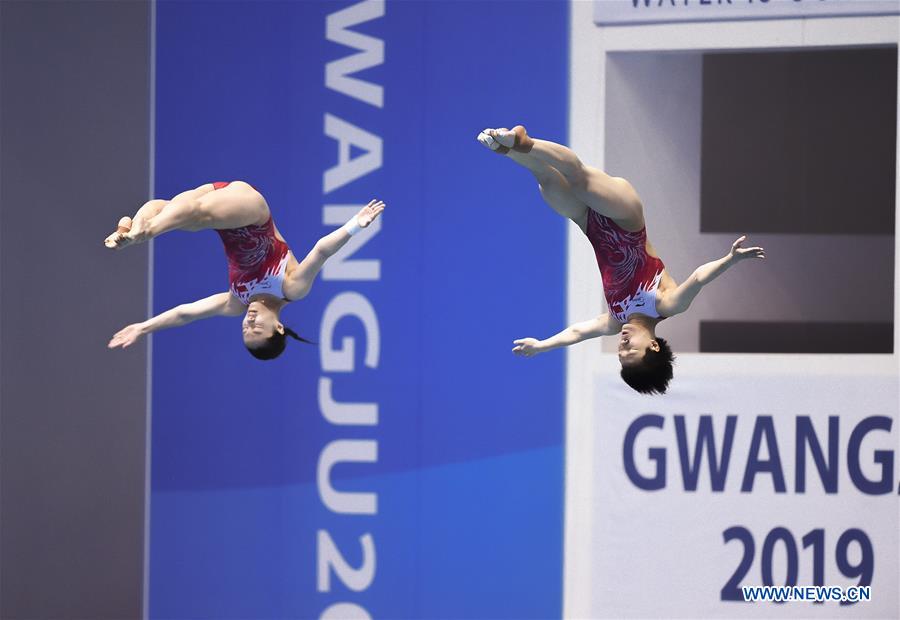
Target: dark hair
274	346
653	373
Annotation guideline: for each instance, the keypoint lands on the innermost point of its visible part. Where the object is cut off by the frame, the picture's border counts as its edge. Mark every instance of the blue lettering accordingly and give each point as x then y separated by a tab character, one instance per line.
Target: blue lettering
656	454
718	468
828	470
764	427
885	458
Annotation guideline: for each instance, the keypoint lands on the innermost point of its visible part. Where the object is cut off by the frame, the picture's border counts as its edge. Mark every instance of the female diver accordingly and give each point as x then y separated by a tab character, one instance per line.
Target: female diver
639	291
264	276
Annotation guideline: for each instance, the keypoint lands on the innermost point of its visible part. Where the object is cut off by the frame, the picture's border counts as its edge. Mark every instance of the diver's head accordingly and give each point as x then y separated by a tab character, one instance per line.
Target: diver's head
646	360
260	324
265	336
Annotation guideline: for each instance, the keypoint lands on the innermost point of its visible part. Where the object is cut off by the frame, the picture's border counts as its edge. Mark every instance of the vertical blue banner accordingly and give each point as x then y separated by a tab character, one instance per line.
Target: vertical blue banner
451	504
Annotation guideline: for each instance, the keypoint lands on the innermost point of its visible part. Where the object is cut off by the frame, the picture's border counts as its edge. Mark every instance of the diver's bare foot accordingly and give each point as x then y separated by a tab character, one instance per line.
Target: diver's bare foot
487	139
116	240
516	138
135	233
503	140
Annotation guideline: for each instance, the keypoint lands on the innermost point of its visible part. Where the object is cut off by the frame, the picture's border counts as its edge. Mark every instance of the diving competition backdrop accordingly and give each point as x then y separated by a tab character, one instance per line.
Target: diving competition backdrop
407	465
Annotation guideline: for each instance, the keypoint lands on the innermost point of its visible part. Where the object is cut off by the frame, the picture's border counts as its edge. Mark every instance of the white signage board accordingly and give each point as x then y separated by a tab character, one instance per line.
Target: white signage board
620	12
803	490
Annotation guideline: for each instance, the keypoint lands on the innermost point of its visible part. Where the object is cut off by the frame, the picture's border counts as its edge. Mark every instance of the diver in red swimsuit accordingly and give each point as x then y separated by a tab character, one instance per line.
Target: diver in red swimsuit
639	291
263	274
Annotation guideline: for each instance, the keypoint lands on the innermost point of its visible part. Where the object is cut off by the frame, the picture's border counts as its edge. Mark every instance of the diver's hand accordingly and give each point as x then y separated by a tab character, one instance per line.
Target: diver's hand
527	347
369	212
127	336
738	253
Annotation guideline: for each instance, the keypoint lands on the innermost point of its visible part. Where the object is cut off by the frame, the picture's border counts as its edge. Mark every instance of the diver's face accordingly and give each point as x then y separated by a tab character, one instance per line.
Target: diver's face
634	342
259	324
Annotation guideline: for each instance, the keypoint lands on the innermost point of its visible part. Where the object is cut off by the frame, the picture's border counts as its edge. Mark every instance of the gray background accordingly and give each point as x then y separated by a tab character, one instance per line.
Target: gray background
799	142
74	148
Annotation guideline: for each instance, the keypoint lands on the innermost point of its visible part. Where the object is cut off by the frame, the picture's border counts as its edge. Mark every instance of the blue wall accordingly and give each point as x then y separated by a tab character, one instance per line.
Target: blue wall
469	476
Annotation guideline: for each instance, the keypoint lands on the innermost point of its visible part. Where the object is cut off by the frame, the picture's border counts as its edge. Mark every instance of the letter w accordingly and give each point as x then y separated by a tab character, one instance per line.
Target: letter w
371	52
690	471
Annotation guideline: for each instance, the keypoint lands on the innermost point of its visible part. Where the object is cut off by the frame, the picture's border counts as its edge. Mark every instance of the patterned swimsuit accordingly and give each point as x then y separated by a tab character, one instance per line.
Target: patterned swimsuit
630	276
257	259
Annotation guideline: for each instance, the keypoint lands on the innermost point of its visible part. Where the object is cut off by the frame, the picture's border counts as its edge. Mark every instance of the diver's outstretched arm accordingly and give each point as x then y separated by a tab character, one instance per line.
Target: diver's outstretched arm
220	304
603	325
298	283
679	300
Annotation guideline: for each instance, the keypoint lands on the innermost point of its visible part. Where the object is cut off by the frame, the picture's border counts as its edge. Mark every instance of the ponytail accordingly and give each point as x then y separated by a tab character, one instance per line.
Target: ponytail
274	346
290	332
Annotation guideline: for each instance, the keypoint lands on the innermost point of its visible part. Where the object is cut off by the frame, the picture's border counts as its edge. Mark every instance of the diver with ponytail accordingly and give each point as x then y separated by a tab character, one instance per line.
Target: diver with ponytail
263	274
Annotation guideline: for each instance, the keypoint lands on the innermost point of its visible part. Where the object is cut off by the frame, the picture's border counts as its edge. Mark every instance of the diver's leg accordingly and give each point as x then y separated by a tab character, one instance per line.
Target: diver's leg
554	188
133	230
232	206
613	197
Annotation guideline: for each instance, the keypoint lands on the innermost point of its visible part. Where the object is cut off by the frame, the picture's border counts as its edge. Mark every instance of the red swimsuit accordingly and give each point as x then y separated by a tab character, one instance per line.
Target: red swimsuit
630	276
257	259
